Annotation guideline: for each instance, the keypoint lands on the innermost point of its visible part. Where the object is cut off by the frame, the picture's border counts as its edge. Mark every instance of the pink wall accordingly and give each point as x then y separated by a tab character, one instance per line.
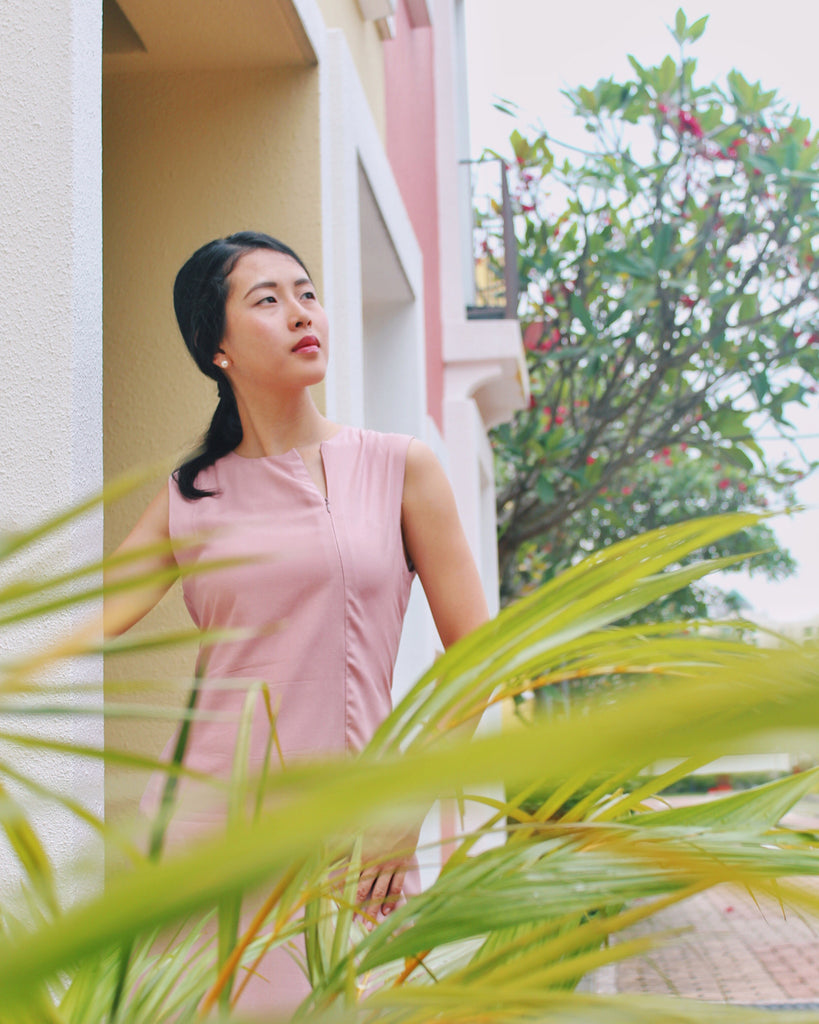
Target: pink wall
410	103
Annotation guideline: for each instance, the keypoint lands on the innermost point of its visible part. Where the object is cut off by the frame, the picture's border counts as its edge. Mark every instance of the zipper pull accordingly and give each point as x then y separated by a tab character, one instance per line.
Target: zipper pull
327	503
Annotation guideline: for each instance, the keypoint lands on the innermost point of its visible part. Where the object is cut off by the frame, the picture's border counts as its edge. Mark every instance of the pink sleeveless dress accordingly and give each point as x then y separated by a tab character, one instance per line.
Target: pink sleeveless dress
324	591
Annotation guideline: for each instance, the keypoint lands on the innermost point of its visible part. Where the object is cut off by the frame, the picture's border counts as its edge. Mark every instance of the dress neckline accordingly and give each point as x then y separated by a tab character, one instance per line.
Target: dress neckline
291	452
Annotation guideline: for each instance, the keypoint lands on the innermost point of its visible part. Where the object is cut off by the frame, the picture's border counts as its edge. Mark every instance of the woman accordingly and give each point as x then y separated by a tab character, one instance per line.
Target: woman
331	524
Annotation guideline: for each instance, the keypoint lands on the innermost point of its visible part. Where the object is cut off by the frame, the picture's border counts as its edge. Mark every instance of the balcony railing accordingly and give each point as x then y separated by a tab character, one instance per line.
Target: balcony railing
491	265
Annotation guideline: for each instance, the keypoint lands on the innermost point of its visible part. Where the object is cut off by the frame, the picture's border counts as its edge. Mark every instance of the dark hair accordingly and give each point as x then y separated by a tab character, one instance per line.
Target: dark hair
199	295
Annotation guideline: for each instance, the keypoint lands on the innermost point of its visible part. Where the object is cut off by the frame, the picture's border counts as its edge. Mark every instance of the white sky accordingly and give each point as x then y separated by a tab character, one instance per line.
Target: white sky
527	51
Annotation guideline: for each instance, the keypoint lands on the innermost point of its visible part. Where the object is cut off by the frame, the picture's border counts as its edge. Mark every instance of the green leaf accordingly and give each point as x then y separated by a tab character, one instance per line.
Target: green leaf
680	25
753	810
579	309
697	29
545	491
662	245
667	75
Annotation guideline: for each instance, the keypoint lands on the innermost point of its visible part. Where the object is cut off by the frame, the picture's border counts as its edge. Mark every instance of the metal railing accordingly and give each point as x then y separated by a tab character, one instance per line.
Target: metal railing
491	256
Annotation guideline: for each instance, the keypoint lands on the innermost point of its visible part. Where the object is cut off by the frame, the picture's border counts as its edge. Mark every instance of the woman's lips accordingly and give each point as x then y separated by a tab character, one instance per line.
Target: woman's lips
309	343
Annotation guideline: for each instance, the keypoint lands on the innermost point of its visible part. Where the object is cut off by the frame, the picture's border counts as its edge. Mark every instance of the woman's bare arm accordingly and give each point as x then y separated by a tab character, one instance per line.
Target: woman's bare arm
122	609
438	547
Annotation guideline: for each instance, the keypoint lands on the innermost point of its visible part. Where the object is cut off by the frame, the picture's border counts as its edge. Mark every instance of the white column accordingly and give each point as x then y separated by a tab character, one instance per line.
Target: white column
50	326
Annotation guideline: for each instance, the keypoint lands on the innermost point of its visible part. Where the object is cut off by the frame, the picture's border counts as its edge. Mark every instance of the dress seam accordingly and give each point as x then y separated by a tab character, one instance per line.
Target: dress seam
344	599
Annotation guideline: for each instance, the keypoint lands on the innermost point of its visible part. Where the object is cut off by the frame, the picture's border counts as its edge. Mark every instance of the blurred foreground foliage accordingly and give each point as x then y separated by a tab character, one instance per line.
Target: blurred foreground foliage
528	900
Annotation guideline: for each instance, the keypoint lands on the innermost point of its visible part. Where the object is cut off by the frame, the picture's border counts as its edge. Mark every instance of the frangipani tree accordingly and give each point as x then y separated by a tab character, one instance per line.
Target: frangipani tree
671	278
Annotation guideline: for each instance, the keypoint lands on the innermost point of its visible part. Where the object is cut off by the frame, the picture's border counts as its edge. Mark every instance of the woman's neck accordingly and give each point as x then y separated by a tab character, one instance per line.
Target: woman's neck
275	428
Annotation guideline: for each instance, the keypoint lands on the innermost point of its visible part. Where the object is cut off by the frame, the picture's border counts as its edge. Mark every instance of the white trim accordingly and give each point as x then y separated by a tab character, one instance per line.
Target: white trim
350	141
375	10
312	23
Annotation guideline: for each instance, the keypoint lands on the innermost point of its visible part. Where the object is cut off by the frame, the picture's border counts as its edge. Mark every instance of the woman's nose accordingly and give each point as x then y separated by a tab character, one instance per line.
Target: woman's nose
299	317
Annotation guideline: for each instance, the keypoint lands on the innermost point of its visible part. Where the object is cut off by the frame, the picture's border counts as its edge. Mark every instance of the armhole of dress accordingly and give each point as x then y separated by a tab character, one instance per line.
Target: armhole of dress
407	440
178	525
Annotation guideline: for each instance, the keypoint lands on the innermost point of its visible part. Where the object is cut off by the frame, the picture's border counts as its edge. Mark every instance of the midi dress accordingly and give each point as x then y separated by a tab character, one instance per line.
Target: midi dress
322	588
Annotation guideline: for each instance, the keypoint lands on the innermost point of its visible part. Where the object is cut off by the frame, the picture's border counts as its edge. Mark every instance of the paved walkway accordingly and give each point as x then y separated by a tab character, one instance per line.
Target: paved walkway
732	950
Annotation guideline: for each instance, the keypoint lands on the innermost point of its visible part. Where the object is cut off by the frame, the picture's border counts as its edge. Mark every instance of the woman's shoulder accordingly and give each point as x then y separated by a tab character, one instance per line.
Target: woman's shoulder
372	440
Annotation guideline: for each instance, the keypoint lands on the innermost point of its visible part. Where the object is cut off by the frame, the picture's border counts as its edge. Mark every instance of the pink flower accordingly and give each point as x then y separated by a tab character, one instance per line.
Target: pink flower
683	446
627	490
590	460
532	335
666	451
663	108
743	487
689	123
724	484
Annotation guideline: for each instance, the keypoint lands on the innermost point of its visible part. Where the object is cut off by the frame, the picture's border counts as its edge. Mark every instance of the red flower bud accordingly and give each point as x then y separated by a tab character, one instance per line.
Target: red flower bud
532	335
743	487
626	491
590	460
724	484
666	451
689	123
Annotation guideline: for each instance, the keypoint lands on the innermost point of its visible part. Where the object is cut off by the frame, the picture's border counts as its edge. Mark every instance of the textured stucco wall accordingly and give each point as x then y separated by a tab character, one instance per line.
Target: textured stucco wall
50	326
187	157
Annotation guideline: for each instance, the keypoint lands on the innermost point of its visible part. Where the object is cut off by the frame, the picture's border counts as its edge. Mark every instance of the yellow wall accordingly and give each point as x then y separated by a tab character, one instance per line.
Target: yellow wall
366	48
186	157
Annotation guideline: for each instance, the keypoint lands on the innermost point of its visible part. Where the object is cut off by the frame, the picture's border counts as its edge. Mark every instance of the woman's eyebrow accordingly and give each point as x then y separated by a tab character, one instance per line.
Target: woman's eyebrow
273	284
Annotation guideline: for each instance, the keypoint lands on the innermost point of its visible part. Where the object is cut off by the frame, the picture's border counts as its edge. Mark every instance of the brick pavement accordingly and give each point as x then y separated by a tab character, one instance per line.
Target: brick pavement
730	949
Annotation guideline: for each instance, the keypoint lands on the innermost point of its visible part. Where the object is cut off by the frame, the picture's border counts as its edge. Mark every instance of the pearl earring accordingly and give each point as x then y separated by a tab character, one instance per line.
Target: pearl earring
224	364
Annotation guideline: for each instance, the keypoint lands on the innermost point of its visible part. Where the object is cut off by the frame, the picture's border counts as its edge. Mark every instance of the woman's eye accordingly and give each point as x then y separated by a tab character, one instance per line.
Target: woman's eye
309	295
267	299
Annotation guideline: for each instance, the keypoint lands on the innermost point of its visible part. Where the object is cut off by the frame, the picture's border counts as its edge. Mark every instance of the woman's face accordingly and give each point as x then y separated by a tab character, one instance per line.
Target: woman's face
276	331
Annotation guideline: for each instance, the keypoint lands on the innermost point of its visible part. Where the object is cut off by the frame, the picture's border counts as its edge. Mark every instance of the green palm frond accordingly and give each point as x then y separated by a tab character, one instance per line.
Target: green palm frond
503	934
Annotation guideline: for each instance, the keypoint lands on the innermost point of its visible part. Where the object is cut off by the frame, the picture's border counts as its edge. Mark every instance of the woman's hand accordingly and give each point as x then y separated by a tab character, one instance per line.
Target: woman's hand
385	857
